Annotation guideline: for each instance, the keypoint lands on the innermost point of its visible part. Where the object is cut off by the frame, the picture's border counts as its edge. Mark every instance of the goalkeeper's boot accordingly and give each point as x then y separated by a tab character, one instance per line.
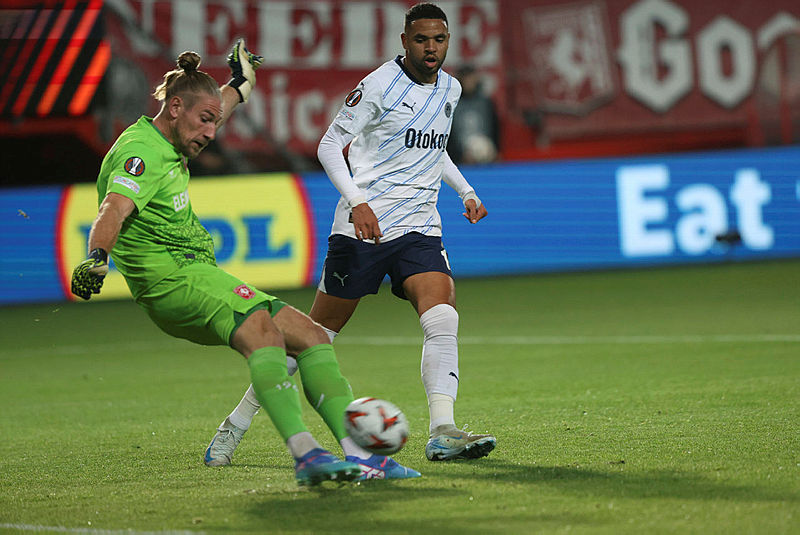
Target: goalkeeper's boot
319	465
447	442
380	467
220	451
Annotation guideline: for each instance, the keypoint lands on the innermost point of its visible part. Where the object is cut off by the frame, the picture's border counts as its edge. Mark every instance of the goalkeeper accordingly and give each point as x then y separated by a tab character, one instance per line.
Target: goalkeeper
145	220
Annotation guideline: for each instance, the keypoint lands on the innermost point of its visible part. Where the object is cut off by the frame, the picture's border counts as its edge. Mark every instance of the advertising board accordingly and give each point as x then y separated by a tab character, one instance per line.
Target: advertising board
271	230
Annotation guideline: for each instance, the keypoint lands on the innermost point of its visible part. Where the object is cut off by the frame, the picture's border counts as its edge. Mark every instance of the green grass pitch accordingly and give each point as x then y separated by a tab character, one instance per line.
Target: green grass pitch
643	401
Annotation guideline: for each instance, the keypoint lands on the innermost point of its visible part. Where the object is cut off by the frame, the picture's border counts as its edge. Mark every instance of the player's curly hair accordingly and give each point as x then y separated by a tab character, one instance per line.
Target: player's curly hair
424	10
186	81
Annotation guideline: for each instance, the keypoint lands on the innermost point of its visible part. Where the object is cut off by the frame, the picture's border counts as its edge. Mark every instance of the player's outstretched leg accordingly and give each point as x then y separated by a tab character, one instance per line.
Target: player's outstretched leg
329	393
220	451
278	394
447	442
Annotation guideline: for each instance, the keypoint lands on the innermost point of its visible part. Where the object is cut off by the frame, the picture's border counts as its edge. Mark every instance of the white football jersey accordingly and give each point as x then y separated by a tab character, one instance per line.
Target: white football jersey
401	129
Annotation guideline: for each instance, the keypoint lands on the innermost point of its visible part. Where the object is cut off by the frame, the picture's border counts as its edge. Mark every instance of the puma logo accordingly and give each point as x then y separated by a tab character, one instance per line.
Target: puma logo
341	279
454	375
410	106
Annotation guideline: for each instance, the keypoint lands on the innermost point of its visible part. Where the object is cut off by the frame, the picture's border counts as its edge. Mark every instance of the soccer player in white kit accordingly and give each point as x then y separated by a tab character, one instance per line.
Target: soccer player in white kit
397	122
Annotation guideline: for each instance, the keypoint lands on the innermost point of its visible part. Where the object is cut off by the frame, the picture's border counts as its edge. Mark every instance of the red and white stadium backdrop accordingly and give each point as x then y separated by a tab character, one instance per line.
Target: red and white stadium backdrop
315	53
594	76
715	72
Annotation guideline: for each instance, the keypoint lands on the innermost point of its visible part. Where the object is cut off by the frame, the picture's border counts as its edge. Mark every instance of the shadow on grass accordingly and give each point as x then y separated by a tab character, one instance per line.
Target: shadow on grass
330	507
358	507
620	482
390	506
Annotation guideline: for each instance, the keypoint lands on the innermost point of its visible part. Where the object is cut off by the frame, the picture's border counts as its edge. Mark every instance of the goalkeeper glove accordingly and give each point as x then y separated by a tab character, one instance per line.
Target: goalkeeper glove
87	278
243	66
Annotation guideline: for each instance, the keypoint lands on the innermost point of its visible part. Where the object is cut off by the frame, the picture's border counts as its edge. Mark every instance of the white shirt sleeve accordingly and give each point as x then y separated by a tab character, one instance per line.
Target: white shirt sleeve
330	156
453	178
361	106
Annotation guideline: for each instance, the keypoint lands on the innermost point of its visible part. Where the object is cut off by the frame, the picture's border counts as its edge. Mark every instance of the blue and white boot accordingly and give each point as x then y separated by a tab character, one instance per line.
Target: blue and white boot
220	451
380	467
447	442
319	465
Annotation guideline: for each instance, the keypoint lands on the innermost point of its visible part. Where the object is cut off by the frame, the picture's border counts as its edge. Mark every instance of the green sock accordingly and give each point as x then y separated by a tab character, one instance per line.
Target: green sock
276	391
325	388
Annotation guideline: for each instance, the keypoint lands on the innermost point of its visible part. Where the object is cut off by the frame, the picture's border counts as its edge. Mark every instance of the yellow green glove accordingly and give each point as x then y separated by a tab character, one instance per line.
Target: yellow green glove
87	278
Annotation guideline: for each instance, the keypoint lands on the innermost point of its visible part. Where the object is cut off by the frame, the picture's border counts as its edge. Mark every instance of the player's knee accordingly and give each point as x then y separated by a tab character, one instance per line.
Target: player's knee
266	339
317	335
268	331
439	320
256	332
312	334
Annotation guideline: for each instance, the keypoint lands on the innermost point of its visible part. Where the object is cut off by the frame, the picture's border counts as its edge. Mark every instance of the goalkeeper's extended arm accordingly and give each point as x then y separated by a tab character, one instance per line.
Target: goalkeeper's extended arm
243	66
87	278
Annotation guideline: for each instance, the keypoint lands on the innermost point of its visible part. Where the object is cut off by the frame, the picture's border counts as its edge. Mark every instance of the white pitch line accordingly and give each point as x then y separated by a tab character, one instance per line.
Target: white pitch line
577	340
170	345
92	531
641	339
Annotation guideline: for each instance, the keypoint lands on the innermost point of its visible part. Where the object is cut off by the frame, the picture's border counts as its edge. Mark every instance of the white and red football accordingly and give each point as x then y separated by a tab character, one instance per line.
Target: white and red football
376	425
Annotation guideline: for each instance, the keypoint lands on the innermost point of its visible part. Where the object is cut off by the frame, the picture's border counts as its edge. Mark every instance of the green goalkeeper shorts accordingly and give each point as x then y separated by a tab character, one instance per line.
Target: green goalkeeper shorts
204	304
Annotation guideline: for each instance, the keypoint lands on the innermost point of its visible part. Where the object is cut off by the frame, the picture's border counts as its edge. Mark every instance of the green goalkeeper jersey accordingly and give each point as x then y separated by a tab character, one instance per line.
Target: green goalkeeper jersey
162	234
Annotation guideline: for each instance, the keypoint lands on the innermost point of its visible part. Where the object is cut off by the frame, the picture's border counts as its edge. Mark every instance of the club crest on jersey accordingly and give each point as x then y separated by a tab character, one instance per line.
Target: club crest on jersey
448	109
134	165
244	292
353	98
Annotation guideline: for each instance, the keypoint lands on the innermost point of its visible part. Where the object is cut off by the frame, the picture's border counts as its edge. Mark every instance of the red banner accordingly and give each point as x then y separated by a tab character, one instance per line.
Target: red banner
702	73
315	53
569	78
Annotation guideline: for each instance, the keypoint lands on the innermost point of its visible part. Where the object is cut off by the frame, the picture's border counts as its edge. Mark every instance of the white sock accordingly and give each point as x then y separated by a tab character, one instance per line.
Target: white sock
439	368
331	334
441	410
246	410
351	448
291	365
301	443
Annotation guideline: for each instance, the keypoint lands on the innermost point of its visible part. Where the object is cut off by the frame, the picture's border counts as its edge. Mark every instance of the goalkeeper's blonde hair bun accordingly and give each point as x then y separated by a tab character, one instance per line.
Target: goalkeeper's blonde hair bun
186	81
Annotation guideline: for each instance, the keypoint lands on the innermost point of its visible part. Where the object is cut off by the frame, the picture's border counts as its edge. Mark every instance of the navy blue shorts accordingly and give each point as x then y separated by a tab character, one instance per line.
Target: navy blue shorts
354	268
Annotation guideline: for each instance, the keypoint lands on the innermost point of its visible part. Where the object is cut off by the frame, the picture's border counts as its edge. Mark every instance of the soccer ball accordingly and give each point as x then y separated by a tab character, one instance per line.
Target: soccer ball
376	425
